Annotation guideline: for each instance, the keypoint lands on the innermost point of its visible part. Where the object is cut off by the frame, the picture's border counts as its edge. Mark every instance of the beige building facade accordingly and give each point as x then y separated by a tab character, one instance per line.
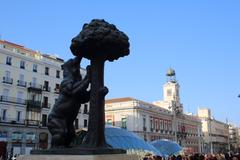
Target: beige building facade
216	133
234	138
29	88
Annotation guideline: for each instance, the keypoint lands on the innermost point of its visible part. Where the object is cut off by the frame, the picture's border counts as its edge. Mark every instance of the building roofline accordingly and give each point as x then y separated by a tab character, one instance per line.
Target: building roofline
33	52
127	99
116	100
17	46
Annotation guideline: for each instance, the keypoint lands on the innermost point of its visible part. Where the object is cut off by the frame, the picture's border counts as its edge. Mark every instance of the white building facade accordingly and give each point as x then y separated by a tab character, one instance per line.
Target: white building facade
29	88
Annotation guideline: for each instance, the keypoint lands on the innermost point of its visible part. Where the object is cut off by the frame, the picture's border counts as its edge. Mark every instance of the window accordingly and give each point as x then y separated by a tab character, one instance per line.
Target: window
109	122
85	123
44	120
156	125
151	124
17	137
34	82
169	92
46	71
7	74
5	94
7	78
161	124
35	67
30	137
9	60
85	110
46	86
19	115
57	88
76	123
57	74
164	125
4	114
21	81
20	98
124	123
21	77
144	124
45	102
169	126
22	64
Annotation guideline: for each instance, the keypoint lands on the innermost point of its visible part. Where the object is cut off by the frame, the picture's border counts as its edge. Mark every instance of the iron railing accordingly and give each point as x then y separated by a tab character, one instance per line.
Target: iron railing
7	80
12	100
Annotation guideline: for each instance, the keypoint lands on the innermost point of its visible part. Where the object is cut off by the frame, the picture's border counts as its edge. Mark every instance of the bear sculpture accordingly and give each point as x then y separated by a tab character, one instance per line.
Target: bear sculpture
73	93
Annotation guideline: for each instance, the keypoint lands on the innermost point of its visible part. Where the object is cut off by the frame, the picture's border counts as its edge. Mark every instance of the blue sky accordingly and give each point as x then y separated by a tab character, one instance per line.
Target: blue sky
199	39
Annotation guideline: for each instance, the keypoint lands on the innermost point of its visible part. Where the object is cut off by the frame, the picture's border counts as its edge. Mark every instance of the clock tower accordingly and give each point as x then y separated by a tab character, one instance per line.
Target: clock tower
171	91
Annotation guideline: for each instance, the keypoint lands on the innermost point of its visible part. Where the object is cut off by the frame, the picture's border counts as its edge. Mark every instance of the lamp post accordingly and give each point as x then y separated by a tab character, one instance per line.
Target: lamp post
173	106
210	134
228	125
176	111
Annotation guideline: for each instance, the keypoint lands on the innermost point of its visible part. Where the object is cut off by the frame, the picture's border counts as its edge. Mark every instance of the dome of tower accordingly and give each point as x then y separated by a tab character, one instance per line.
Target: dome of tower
170	72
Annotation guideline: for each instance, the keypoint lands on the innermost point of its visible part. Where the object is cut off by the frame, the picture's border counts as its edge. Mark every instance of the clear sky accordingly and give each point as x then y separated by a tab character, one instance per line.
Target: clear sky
200	39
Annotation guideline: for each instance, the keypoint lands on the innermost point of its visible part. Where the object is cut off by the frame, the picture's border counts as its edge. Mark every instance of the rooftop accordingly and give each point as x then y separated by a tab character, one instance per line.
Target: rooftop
26	51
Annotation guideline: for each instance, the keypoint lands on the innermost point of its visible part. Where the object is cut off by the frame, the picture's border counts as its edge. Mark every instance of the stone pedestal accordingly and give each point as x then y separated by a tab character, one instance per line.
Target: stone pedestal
79	157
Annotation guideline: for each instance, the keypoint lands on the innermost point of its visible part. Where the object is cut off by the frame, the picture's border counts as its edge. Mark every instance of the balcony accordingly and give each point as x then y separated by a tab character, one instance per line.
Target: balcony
181	135
33	105
34	87
11	121
46	105
46	88
22	83
7	80
30	122
12	100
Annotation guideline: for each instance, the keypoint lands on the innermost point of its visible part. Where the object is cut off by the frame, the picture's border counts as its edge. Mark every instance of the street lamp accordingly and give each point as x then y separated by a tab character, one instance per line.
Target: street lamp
210	134
175	109
173	106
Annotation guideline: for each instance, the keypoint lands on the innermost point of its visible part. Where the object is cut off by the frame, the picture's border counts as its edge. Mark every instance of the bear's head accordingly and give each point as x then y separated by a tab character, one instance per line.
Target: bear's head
71	69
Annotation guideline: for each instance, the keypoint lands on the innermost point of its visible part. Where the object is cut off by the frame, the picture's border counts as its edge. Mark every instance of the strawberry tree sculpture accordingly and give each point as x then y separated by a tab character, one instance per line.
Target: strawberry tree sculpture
98	41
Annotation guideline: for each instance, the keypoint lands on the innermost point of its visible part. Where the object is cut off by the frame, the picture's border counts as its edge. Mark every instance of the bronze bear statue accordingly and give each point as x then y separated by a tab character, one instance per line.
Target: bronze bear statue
73	93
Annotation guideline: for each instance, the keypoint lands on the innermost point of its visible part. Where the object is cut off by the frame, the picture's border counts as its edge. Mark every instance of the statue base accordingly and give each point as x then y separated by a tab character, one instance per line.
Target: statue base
78	151
79	157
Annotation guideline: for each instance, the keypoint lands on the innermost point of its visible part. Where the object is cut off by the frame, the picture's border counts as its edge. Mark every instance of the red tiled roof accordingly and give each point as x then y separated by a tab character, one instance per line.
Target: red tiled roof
17	46
115	100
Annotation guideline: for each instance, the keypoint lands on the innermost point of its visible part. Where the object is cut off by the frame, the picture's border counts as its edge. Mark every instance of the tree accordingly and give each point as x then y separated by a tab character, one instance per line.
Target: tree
99	41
